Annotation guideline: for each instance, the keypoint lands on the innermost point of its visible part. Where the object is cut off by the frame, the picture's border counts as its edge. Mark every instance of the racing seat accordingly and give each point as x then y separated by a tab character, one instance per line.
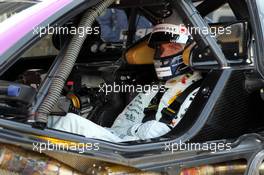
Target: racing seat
220	109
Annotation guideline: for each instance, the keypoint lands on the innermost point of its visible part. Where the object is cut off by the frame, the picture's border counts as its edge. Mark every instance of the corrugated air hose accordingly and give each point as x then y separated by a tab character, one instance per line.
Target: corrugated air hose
65	68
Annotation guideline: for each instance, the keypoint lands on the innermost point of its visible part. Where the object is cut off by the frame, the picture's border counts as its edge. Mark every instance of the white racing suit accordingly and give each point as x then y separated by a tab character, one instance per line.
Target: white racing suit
128	125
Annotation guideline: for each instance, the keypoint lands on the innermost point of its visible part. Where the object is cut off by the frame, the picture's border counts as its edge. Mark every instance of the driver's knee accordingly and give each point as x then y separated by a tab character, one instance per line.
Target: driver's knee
70	123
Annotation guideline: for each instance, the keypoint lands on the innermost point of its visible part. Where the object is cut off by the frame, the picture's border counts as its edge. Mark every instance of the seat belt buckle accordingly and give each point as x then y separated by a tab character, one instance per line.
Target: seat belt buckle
169	112
168	115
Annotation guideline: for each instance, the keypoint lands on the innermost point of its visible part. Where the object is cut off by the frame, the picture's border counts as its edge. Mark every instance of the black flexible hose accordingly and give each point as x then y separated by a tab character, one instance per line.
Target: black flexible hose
68	62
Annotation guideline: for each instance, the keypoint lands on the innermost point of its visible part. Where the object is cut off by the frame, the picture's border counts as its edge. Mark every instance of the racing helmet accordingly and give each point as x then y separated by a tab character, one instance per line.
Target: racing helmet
169	40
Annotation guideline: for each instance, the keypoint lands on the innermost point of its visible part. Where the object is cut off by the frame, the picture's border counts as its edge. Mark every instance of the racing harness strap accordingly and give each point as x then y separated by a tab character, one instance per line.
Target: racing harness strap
169	113
151	110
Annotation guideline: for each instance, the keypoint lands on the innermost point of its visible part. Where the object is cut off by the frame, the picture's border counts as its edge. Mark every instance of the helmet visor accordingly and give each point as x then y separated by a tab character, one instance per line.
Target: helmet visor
169	49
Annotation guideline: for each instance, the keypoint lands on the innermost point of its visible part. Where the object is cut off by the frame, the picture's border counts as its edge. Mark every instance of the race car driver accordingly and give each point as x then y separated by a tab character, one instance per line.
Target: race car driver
153	114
